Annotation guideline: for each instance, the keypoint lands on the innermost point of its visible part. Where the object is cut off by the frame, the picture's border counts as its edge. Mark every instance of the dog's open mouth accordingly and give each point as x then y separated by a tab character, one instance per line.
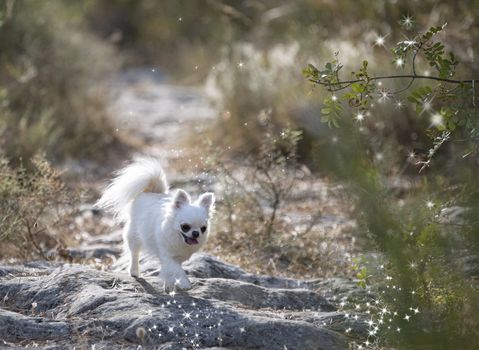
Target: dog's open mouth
189	240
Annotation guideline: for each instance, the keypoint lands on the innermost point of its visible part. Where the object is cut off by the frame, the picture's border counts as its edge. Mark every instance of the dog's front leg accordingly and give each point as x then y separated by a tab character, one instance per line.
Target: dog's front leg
173	275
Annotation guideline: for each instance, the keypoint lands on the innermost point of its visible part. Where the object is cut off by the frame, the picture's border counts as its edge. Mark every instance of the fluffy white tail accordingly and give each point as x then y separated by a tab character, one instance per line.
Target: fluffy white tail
143	175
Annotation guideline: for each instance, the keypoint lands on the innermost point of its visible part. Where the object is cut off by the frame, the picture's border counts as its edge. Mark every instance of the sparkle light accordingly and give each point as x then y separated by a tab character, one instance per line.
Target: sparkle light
426	105
436	119
383	95
407	21
360	117
409	42
240	64
380	40
399	62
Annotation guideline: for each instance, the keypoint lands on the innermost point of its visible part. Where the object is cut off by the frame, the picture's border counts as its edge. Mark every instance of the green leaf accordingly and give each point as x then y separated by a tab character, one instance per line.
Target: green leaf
311	72
357	88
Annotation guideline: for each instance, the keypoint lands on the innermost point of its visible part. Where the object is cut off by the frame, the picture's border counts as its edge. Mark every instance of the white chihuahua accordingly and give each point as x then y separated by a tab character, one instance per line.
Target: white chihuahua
170	227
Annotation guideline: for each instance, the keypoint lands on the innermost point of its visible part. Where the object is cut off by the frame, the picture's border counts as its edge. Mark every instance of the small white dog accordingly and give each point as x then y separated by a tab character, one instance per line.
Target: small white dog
170	227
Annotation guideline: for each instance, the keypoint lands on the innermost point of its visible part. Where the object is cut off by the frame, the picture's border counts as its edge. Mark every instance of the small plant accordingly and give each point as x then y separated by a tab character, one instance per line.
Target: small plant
34	204
263	183
252	192
256	203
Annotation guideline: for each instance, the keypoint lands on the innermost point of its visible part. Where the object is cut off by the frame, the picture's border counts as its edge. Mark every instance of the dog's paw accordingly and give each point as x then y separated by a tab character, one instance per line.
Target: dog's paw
184	283
174	284
134	272
169	284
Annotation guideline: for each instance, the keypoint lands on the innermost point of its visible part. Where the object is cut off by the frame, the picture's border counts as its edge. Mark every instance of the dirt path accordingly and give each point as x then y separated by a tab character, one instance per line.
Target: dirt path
160	114
164	117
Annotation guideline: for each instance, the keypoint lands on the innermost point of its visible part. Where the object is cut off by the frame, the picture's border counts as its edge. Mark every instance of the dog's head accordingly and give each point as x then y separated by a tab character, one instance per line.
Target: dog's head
191	219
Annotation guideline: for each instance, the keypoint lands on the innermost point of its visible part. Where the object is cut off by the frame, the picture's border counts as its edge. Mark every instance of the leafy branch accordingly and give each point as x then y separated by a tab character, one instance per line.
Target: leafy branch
449	107
346	83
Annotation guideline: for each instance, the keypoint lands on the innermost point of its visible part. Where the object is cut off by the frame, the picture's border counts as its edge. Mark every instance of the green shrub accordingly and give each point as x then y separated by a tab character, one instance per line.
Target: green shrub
424	279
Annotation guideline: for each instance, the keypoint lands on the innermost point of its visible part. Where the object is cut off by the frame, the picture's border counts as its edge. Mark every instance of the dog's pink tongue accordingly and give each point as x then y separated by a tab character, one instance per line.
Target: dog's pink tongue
191	240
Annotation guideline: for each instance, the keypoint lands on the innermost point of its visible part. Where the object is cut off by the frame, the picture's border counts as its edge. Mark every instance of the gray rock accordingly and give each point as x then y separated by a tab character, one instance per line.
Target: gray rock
57	306
15	327
99	251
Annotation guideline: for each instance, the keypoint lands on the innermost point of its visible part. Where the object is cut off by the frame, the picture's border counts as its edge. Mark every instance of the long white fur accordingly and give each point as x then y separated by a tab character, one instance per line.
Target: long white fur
141	175
138	196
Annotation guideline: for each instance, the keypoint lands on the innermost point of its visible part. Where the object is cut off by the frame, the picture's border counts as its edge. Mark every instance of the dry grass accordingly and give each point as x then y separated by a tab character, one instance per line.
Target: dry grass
275	217
311	237
35	206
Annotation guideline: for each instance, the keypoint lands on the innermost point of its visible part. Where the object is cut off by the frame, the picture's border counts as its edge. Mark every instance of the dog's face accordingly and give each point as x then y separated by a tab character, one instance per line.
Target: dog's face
191	220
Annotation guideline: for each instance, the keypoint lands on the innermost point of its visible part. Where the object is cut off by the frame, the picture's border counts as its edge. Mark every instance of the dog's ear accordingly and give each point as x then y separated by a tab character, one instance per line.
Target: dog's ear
181	198
207	201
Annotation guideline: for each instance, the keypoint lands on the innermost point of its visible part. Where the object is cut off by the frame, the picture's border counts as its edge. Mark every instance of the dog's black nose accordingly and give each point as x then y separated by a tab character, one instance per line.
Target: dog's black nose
195	234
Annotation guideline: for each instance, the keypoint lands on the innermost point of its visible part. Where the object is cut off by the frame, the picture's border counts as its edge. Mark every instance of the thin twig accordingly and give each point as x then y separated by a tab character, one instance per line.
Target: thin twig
400	76
32	239
405	88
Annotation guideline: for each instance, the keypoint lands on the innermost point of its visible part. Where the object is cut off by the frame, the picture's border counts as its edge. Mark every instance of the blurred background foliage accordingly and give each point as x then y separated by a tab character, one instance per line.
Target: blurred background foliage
49	66
57	59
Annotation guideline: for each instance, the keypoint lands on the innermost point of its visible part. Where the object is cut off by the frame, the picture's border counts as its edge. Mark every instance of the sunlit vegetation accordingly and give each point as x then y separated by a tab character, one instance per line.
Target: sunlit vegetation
51	98
363	113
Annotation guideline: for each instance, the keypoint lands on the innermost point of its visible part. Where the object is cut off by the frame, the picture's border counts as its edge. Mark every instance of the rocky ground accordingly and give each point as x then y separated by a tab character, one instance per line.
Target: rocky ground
98	305
56	306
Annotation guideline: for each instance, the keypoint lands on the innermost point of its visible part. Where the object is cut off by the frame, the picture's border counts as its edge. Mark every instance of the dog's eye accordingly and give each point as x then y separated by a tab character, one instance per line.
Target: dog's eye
203	229
185	227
